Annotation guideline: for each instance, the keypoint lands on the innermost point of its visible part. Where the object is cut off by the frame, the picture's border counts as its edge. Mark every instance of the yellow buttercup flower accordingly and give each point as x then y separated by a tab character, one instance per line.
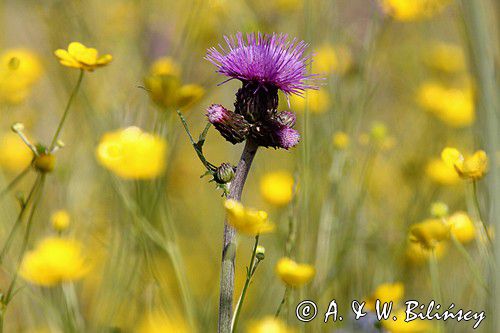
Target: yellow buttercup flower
429	232
19	70
60	220
246	220
330	59
165	66
419	254
277	187
268	325
317	101
14	154
445	57
411	10
54	260
79	56
188	95
294	274
340	140
462	227
472	167
165	88
158	321
401	326
455	107
441	173
385	293
132	154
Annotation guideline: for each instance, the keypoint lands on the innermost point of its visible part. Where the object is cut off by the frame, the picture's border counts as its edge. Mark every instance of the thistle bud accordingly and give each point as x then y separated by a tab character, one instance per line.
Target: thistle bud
287	137
232	126
286	118
260	252
224	173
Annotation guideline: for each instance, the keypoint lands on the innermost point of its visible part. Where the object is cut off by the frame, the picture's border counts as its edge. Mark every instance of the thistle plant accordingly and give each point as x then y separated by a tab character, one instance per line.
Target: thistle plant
265	64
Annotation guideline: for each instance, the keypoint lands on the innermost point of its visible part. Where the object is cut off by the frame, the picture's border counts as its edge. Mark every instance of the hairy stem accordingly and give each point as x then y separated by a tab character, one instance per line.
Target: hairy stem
229	247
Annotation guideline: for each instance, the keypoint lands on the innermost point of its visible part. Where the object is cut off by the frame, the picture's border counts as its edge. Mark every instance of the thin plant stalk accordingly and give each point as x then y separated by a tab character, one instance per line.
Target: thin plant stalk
66	111
26	237
14	181
283	302
436	288
484	234
250	272
18	221
229	246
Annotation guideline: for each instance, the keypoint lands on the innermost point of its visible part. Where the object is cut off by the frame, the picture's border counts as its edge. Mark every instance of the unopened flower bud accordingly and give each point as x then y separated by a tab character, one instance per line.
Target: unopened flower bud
287	137
260	252
232	126
17	127
224	173
60	220
439	209
44	163
378	131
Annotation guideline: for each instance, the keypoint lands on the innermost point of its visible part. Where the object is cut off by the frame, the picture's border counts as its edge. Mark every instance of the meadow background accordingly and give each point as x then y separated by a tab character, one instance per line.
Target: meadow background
400	85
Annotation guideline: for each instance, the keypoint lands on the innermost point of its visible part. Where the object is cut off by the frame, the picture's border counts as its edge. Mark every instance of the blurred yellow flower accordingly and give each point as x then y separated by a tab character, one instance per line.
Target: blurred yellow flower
441	173
19	70
158	321
470	167
165	66
165	88
317	101
14	154
462	227
411	10
60	220
386	292
268	325
455	107
277	187
79	56
419	254
445	57
400	326
54	260
429	232
246	220
330	59
132	154
340	140
189	94
294	274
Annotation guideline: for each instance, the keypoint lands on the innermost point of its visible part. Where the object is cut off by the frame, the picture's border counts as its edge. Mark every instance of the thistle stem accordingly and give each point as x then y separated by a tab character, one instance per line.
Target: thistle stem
229	246
250	272
66	111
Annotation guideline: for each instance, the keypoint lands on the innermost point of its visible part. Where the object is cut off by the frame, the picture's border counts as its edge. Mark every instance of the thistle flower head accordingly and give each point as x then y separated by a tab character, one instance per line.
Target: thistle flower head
267	60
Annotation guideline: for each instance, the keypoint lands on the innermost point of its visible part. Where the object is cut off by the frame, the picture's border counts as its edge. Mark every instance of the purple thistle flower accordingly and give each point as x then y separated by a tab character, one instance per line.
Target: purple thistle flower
287	137
267	61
